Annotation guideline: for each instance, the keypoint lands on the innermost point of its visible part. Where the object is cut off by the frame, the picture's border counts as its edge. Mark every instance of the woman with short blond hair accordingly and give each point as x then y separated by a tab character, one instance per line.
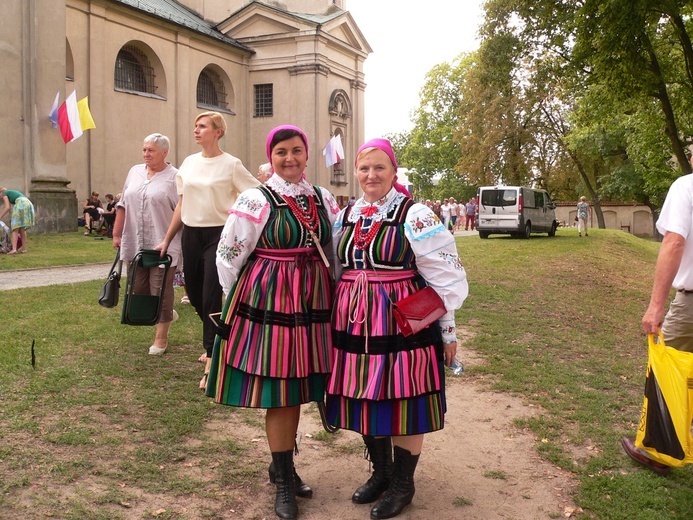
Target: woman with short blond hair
142	217
208	184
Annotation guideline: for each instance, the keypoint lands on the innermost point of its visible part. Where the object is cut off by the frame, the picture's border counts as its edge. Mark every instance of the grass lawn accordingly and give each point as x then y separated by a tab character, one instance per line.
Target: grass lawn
61	249
557	321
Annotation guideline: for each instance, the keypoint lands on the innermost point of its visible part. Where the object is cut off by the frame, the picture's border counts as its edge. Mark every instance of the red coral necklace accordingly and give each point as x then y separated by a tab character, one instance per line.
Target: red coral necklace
308	217
363	239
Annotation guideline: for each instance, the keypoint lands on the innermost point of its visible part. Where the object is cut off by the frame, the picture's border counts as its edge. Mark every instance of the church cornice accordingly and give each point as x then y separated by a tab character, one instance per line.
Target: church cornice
358	84
309	68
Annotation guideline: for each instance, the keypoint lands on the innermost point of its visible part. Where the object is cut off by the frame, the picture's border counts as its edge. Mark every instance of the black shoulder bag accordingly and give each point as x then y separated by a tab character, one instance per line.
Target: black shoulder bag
108	297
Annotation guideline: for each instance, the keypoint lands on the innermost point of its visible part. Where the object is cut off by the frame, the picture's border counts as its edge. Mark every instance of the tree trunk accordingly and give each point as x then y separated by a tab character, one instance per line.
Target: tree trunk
662	94
685	39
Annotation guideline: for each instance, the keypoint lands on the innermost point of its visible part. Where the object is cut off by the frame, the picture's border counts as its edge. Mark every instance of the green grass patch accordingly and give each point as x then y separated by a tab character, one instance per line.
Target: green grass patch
496	475
555	321
61	249
461	501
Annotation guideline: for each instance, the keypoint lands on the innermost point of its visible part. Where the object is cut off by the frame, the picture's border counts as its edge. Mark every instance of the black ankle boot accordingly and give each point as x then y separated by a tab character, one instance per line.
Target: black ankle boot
401	490
379	452
285	501
303	490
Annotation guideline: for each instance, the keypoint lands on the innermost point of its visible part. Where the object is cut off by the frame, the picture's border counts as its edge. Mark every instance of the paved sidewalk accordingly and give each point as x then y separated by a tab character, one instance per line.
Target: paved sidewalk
52	276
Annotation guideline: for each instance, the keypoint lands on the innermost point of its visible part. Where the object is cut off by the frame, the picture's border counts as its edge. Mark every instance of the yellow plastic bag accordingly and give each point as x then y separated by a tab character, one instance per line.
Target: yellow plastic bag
665	424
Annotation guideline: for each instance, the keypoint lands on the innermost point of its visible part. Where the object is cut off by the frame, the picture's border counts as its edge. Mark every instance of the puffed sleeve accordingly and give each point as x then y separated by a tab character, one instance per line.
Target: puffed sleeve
246	220
438	262
331	204
243	179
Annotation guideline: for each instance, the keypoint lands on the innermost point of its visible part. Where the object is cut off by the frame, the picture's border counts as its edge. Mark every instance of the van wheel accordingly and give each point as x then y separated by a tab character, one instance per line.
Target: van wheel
528	230
483	234
552	233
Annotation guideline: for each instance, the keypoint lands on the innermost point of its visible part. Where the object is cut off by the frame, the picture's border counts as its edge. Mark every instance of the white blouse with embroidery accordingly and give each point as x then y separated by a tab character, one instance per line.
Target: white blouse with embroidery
248	217
434	248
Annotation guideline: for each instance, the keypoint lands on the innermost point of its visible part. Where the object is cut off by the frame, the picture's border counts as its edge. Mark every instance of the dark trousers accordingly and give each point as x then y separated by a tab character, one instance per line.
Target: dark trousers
201	279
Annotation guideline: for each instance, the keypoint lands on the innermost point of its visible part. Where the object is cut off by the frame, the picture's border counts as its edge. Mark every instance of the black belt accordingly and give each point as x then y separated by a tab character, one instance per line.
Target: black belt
685	291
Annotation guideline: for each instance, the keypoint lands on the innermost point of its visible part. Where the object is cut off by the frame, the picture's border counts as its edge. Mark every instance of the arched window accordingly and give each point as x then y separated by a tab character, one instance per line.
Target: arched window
210	90
69	62
133	71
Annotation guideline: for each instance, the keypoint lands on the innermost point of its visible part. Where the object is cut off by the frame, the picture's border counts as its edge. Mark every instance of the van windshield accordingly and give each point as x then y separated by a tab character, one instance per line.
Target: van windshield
499	197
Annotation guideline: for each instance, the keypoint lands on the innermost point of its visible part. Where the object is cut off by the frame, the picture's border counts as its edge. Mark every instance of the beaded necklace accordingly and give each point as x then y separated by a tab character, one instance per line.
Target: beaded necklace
308	217
363	239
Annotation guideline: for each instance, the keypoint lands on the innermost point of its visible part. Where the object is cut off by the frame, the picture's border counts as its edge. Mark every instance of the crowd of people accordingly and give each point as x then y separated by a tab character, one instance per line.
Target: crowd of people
454	215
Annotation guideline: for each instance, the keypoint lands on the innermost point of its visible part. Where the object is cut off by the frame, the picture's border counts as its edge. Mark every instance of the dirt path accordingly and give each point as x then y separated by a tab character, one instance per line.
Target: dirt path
17	279
479	467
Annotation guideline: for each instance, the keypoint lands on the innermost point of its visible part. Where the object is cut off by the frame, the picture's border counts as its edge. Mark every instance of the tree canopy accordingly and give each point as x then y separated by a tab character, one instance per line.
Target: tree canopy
587	97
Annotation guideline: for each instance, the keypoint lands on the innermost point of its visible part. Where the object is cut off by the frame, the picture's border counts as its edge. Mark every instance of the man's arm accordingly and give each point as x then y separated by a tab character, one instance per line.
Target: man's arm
668	262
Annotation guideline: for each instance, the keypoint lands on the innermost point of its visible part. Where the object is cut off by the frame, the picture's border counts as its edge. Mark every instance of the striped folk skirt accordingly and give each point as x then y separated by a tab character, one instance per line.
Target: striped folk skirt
278	349
383	383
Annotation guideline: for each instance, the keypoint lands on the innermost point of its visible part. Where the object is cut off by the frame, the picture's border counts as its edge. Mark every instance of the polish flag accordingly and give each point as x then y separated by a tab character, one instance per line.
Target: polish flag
74	117
68	119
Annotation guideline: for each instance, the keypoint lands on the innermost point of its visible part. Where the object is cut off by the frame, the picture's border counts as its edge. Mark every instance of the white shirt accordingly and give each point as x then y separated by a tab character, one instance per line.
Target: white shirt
445	211
677	217
210	186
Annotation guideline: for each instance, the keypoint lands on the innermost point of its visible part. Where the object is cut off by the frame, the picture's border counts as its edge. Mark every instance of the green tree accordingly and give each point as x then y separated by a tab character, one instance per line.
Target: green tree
430	148
641	49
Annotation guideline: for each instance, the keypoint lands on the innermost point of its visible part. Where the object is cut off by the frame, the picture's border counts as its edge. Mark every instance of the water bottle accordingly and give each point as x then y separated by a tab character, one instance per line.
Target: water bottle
457	367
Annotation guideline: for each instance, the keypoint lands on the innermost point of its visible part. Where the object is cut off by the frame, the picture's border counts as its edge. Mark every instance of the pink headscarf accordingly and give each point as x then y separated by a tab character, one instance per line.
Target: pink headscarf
385	146
270	136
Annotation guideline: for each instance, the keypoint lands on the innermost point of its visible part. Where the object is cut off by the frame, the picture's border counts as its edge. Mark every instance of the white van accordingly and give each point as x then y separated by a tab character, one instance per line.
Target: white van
516	211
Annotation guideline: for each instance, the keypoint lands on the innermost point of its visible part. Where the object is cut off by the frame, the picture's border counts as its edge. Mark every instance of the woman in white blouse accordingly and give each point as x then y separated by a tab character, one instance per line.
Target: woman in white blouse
208	184
385	386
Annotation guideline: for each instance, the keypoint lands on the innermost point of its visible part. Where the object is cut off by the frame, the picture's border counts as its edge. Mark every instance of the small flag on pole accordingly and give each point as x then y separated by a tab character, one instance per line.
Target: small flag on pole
333	152
74	117
53	116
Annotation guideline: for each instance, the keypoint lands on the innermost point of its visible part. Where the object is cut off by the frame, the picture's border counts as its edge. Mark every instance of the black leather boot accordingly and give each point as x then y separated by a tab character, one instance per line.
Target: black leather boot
285	502
401	490
303	490
379	452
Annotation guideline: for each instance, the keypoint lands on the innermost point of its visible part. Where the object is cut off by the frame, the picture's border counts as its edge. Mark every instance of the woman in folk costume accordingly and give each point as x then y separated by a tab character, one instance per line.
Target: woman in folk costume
385	386
272	261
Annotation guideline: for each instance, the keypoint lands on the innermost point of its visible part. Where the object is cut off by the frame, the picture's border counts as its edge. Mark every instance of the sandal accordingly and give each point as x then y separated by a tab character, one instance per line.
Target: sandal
203	381
12	253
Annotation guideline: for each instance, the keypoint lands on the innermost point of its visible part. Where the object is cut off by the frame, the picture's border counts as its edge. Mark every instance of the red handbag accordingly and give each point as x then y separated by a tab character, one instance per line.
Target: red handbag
417	311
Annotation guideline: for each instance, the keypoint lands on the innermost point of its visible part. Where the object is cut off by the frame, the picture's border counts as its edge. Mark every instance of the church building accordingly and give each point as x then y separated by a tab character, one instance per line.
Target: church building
151	66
